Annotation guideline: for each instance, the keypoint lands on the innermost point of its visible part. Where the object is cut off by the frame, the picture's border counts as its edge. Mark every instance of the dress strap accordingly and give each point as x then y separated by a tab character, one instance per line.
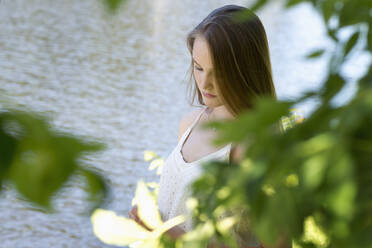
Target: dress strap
197	118
186	133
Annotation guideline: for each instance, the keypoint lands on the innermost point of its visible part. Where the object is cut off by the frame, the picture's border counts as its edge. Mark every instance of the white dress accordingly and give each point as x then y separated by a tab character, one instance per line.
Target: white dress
176	177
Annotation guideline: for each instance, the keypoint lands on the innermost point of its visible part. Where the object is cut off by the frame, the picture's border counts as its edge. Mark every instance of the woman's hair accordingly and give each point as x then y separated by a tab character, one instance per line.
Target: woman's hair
240	57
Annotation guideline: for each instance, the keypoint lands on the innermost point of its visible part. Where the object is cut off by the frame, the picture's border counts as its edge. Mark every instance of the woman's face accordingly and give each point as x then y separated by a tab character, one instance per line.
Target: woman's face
204	73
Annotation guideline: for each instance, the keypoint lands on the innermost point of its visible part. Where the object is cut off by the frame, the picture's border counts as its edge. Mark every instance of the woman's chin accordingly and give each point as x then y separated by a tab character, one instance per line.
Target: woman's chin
211	104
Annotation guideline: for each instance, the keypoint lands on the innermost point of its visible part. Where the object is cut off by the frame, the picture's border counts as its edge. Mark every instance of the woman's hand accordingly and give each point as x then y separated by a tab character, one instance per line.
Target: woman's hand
174	233
133	214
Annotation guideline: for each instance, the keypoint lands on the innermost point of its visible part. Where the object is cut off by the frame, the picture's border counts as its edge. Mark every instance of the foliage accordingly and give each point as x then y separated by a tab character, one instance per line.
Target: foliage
39	160
157	161
320	169
118	230
113	5
121	231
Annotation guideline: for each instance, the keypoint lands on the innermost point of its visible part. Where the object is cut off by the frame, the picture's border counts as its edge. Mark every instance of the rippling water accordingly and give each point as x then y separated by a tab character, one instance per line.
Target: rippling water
120	79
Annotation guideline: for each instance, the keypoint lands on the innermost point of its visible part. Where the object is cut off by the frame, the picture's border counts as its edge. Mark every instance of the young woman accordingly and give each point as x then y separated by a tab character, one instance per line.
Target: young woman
231	67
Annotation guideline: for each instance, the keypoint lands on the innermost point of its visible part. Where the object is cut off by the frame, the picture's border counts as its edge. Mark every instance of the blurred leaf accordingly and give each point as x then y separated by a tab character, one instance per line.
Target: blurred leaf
149	155
366	81
314	170
44	159
332	34
351	42
292	181
258	4
295	118
327	9
157	163
354	12
369	37
307	95
265	117
200	234
304	245
332	86
316	144
115	230
314	234
243	15
341	201
291	3
340	177
315	53
113	5
97	187
147	207
340	229
168	225
7	149
224	225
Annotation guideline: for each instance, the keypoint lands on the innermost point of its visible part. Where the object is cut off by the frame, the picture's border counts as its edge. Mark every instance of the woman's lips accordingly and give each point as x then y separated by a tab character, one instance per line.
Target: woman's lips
208	95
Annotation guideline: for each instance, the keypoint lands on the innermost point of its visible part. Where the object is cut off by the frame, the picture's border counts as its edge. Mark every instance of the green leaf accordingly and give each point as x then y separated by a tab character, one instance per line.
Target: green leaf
332	33
369	44
97	187
43	160
314	170
264	117
315	53
366	80
147	207
201	232
291	3
327	9
168	225
7	149
351	42
243	15
341	201
332	86
116	230
258	5
149	155
355	12
314	233
113	5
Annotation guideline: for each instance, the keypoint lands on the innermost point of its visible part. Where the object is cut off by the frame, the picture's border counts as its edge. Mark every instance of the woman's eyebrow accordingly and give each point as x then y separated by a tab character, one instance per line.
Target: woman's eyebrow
199	64
195	61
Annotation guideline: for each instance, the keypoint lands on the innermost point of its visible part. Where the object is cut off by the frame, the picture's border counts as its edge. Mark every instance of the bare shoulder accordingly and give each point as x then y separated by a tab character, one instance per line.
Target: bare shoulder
187	120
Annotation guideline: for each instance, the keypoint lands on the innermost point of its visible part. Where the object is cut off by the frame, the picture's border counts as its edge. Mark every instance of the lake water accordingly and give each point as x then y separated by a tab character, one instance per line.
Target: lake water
120	79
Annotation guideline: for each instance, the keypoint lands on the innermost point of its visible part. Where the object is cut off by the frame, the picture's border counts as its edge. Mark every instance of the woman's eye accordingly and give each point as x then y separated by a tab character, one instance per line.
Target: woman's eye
198	68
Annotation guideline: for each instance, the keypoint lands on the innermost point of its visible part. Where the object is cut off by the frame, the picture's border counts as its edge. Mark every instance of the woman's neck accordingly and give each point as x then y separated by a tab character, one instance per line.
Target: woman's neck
219	113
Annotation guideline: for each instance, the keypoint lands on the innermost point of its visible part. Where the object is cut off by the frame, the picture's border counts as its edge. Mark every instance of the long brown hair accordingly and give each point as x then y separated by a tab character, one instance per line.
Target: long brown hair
240	57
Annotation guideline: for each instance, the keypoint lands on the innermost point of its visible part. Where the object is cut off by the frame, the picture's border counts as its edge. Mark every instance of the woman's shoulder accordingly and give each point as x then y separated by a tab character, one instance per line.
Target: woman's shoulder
187	119
190	116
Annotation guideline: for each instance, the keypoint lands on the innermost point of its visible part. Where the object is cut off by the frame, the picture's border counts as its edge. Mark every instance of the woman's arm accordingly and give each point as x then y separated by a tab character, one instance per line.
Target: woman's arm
175	232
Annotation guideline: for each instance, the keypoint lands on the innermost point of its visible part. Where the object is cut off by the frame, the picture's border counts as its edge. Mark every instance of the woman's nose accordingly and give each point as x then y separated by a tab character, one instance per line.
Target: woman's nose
207	83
